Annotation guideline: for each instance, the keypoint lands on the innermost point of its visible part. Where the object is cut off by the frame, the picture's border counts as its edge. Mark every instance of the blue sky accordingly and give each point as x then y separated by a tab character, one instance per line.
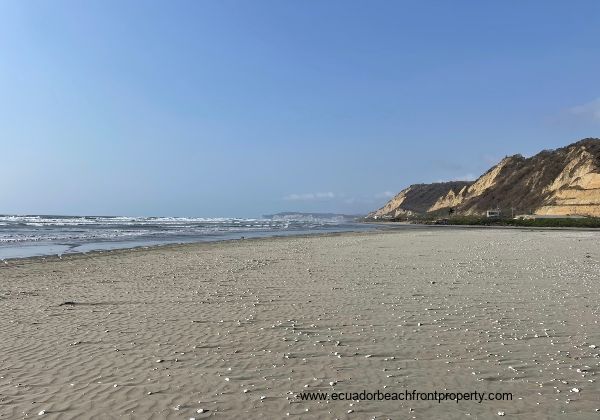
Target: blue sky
240	108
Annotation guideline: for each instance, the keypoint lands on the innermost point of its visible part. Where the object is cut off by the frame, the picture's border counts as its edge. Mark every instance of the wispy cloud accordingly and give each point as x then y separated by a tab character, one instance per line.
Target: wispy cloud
310	196
448	165
385	194
489	159
589	111
465	177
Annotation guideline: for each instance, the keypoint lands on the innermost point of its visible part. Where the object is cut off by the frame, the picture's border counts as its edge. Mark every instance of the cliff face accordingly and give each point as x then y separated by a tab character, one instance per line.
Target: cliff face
564	181
418	199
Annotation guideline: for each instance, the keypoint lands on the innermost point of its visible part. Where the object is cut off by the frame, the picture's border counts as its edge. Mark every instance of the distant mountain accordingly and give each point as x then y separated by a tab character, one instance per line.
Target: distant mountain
298	216
564	181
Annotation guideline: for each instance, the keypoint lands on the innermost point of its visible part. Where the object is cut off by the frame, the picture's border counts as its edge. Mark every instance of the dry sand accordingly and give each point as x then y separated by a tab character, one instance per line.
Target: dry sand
239	328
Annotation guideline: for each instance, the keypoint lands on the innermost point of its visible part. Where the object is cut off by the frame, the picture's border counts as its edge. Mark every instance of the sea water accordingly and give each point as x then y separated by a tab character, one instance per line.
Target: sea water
37	235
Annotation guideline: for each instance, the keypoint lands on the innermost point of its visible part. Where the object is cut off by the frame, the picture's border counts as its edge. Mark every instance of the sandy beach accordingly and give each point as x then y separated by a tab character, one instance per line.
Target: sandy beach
239	329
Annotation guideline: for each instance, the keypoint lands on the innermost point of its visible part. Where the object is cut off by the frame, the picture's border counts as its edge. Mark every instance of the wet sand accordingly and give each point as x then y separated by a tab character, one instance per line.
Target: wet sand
239	329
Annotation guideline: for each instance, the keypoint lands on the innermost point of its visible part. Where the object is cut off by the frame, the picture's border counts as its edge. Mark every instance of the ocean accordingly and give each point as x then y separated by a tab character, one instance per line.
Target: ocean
40	235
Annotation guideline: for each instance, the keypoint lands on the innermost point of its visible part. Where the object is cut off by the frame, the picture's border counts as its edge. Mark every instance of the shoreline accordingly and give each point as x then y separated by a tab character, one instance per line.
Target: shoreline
137	244
169	246
389	227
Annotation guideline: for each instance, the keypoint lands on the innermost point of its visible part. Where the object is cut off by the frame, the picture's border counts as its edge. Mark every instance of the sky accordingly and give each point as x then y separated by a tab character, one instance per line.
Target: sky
242	108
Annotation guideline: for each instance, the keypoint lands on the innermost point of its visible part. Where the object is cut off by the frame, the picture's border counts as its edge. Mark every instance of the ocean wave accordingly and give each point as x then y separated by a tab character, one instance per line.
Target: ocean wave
19	229
111	220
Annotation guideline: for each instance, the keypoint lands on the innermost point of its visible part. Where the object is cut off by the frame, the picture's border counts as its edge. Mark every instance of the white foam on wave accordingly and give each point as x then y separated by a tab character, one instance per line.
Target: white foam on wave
112	220
15	229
